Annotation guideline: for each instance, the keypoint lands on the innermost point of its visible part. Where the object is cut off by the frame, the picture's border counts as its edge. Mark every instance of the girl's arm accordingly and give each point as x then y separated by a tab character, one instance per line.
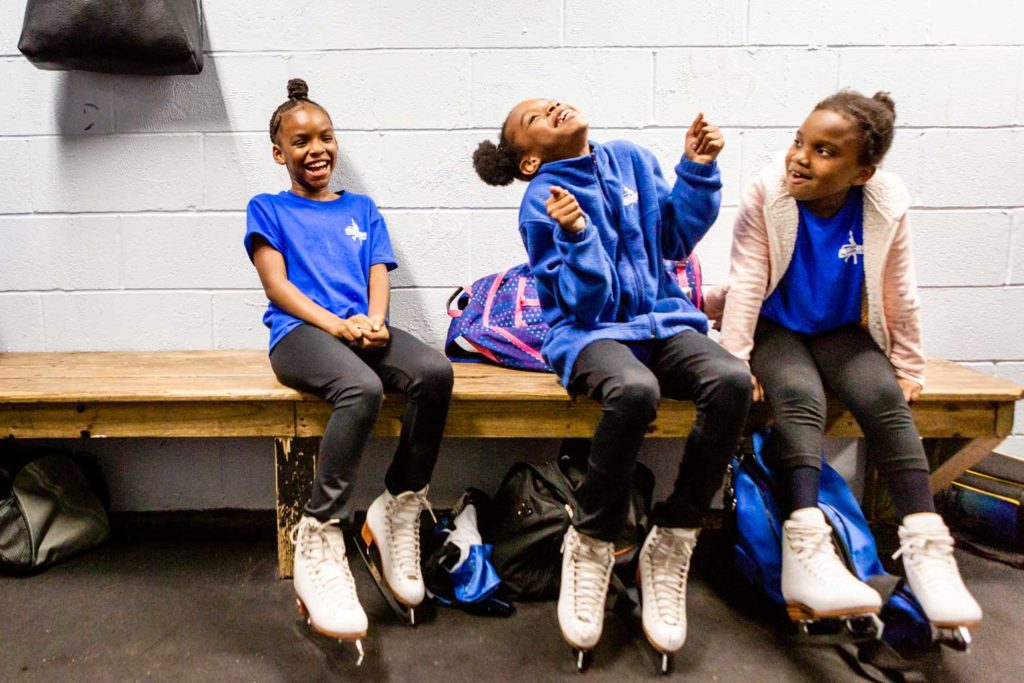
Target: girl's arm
569	263
274	275
749	269
903	311
380	297
689	210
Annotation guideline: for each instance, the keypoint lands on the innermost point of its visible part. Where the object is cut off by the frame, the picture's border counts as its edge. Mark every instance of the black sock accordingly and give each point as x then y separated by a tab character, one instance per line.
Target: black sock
911	492
803	487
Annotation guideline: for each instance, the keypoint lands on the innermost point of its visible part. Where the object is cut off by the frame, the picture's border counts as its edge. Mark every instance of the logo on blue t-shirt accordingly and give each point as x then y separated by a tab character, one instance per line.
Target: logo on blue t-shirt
851	250
354	232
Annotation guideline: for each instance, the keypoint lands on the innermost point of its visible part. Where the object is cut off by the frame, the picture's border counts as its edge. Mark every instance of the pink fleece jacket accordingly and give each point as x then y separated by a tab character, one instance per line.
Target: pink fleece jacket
763	241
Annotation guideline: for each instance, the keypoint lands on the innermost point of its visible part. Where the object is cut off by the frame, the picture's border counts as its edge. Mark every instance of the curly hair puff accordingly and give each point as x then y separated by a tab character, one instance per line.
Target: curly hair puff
498	164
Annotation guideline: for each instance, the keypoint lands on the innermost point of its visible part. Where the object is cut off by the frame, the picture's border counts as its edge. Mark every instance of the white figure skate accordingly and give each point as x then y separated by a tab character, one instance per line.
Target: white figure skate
586	570
927	550
392	529
325	592
664	566
817	585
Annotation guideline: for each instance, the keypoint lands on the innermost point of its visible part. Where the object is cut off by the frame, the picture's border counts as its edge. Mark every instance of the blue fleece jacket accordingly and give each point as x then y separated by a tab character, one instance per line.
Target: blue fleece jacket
609	281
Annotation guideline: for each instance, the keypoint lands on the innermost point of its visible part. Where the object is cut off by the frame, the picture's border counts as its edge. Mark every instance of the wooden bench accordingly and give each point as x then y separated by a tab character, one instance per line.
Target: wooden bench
234	393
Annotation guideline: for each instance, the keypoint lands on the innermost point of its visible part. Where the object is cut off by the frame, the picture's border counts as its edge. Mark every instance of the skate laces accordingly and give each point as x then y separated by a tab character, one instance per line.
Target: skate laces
403	529
327	564
669	563
591	561
812	545
931	554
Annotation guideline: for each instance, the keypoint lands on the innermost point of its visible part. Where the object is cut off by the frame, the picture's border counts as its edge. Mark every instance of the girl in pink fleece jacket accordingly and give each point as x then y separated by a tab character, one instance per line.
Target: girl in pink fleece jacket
822	294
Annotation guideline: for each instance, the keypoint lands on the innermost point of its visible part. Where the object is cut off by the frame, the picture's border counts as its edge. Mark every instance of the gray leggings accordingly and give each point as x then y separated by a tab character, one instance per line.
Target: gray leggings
312	360
794	370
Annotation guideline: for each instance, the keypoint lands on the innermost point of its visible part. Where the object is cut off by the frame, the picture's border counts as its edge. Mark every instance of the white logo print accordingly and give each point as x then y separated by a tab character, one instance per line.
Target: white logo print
629	196
851	250
354	232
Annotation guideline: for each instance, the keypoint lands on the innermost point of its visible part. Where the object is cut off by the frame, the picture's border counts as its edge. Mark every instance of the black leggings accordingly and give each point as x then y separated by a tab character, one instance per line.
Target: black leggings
312	360
794	370
687	366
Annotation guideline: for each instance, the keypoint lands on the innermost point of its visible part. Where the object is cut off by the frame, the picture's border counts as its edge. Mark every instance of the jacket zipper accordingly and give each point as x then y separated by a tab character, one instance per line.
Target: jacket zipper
632	267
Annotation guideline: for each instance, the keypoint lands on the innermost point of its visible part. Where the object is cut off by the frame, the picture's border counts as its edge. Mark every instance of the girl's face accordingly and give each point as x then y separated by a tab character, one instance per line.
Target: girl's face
307	147
822	163
546	130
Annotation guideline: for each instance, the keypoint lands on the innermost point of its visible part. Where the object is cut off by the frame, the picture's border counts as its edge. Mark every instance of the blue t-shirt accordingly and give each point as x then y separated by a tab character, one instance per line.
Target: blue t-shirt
823	286
328	248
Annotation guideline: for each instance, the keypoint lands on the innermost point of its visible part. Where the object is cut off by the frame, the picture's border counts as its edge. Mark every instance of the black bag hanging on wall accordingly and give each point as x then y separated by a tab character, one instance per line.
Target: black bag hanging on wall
156	37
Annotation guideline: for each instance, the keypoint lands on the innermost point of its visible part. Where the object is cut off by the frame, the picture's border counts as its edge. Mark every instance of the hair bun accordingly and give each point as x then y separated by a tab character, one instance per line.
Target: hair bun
495	164
885	100
297	89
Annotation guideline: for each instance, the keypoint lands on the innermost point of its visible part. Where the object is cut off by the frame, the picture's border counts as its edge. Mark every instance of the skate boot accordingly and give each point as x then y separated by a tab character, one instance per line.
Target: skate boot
586	569
393	527
664	565
927	550
325	591
817	585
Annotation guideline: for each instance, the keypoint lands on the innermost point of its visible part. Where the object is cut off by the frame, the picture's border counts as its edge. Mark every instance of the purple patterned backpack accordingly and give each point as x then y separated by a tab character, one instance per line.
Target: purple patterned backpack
498	317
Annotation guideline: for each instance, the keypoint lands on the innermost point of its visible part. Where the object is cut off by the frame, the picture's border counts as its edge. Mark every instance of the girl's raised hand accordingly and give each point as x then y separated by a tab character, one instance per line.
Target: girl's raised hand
565	210
704	142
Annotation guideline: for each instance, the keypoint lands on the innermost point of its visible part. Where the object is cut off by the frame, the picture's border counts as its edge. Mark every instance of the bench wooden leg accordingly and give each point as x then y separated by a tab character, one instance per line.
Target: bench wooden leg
295	463
953	456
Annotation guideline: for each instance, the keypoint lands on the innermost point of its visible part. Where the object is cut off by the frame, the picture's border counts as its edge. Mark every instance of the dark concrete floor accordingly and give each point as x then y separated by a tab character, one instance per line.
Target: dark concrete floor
195	598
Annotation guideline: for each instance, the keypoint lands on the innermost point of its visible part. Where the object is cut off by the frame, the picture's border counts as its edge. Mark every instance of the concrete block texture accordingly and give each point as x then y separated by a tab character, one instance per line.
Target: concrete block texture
21	322
123	321
116	173
243	26
122	198
15	187
651	22
741	86
67	252
611	87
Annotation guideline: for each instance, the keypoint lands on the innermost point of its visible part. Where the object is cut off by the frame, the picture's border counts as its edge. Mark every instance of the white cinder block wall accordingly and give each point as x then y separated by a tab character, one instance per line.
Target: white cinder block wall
122	198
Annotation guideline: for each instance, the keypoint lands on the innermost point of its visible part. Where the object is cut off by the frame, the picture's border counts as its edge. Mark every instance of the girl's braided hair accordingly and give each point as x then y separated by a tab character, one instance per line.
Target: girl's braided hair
874	117
498	164
298	93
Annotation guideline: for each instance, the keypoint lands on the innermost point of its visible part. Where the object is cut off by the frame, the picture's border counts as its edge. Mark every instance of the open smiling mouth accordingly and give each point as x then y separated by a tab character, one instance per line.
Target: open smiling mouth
319	168
564	116
797	176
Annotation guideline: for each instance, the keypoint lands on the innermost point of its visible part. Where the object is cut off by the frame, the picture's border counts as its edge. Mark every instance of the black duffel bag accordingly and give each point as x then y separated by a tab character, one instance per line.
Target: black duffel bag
156	37
530	515
52	506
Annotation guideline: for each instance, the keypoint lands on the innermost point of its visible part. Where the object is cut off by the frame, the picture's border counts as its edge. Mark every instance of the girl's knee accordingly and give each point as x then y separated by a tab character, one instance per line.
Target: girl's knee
636	396
432	377
734	385
364	393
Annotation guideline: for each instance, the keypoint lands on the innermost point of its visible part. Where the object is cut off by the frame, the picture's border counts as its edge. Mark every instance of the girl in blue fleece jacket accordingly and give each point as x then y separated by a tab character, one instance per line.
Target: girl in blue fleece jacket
598	222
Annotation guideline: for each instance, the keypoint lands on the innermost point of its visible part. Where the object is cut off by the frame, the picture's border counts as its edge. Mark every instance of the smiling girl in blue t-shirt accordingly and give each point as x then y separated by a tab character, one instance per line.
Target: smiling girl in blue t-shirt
323	258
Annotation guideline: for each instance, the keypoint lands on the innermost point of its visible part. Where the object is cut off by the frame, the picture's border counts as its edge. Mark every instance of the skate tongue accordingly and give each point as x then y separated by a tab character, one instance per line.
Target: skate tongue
808	516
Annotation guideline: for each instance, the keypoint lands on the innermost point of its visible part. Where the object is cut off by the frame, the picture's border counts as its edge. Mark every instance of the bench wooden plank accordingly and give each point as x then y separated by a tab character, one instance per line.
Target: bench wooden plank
246	375
148	419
